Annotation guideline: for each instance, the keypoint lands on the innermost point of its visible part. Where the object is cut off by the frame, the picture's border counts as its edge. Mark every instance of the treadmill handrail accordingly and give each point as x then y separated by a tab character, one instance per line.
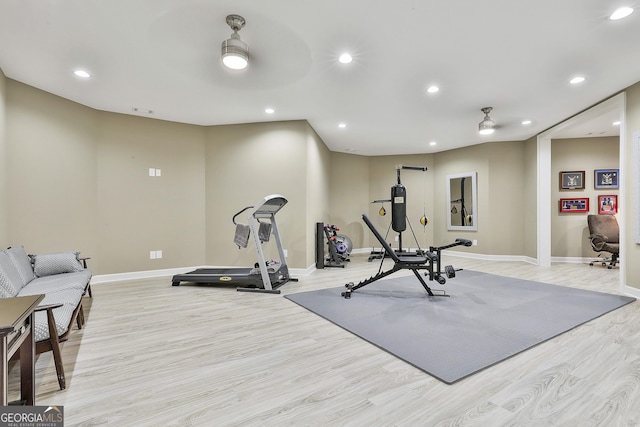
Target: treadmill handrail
234	217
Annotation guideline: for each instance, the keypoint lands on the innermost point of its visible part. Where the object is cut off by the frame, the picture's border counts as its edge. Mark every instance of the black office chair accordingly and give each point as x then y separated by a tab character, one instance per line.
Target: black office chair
604	235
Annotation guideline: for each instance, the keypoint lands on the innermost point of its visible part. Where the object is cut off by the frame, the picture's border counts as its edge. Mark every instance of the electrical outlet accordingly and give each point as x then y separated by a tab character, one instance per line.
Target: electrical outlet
158	172
286	253
158	254
152	255
152	171
475	243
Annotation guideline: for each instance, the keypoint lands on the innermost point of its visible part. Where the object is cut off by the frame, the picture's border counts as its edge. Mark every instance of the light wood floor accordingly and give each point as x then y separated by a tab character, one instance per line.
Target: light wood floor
156	355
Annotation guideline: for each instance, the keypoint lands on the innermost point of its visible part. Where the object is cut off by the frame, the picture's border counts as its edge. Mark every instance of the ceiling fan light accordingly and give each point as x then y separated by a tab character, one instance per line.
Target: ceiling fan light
486	126
235	52
486	130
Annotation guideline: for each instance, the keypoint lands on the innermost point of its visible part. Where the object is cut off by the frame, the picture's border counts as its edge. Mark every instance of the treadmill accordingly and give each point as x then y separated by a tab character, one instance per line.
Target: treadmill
265	276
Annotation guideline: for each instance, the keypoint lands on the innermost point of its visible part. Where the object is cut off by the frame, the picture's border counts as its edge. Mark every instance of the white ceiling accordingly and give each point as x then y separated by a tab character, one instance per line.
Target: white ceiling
164	56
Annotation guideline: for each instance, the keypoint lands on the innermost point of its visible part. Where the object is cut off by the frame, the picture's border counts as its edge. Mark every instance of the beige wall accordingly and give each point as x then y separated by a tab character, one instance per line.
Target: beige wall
569	231
631	250
501	194
349	196
318	189
208	174
419	200
244	163
462	160
52	173
4	221
78	179
500	178
505	216
137	213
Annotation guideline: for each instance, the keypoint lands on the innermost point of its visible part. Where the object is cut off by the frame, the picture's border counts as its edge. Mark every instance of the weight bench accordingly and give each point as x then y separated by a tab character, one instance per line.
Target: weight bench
415	263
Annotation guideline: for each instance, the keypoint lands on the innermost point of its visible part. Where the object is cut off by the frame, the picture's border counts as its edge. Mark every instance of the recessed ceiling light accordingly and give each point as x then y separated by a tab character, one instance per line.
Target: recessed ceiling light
576	80
616	123
342	125
620	13
432	143
269	110
433	89
82	73
526	122
345	58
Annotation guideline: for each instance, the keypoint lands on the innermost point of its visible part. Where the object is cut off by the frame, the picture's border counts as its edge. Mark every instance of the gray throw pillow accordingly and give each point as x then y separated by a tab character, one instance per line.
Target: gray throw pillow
10	281
57	263
22	262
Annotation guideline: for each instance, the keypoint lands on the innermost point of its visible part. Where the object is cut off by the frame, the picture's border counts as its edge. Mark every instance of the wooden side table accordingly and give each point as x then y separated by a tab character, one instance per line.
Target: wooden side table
16	333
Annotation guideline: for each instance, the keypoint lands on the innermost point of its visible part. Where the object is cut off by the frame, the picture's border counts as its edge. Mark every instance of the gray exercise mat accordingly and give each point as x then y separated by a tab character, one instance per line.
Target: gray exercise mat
486	319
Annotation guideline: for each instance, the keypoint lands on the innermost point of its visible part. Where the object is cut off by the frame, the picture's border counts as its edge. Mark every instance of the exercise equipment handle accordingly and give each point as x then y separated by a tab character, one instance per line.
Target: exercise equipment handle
457	242
464	242
414	168
234	217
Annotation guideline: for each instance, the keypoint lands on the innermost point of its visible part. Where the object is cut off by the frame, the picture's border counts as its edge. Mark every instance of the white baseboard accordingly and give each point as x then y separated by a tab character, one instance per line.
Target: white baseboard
149	274
572	260
632	292
303	271
136	275
361	251
484	257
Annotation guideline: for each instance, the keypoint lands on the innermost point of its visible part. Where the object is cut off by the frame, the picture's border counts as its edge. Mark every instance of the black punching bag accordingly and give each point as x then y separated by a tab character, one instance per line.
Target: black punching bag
398	208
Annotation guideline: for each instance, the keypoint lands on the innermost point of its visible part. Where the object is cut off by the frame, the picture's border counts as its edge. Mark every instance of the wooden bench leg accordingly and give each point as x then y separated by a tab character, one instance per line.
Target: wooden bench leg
55	349
80	318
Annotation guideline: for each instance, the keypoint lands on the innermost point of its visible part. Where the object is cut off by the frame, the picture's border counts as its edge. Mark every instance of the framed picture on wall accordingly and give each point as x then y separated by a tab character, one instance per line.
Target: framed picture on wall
572	180
574	205
607	204
606	178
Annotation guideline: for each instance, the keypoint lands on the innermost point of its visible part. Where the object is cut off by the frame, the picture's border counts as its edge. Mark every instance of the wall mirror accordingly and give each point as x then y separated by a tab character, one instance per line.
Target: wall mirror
462	202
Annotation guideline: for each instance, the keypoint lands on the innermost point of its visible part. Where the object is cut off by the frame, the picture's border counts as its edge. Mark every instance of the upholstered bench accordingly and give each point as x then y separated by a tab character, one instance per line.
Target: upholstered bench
63	279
